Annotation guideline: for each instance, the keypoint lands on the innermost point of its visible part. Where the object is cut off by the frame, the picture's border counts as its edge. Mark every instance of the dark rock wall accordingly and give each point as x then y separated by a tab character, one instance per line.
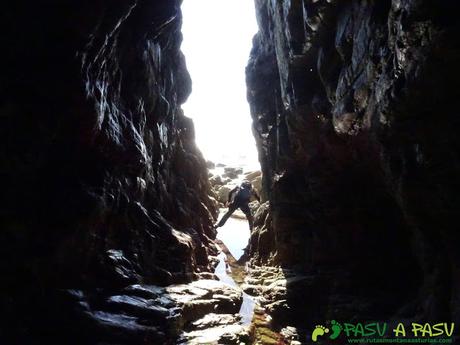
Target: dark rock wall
356	121
102	184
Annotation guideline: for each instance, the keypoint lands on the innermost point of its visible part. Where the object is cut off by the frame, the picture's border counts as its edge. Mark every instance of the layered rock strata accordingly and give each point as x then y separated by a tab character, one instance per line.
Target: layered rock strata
355	118
102	184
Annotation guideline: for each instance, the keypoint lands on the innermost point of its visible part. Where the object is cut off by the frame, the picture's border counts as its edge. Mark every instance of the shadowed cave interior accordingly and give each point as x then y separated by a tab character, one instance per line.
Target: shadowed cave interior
108	207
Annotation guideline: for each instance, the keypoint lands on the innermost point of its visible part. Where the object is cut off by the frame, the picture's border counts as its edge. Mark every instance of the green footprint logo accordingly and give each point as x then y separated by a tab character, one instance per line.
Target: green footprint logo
336	330
318	331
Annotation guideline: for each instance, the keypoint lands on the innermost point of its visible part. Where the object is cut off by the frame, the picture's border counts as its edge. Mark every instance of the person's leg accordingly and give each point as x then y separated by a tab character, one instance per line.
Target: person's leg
231	208
247	211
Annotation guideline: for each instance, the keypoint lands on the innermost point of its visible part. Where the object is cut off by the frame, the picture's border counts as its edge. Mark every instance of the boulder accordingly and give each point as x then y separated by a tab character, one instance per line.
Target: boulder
216	180
202	297
250	176
232	173
222	193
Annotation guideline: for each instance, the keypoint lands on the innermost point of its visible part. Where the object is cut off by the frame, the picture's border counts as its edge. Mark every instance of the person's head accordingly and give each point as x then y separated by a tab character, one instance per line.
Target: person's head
246	184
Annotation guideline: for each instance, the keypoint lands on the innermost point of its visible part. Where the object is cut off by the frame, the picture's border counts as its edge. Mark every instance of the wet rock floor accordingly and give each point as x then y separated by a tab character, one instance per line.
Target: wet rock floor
233	306
263	289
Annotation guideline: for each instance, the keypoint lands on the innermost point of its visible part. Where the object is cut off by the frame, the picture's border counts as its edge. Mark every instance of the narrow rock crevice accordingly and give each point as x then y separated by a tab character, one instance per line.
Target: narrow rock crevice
107	206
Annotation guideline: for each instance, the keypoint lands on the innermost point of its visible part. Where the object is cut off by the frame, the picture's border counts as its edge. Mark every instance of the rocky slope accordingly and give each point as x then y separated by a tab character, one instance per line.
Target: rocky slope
102	185
355	115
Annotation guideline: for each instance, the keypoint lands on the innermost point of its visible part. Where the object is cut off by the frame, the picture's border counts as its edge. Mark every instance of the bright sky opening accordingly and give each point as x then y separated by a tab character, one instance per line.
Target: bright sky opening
217	42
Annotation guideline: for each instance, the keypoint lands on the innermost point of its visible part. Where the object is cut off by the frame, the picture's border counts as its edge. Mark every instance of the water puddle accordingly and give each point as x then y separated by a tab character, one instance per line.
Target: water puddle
221	271
234	235
247	309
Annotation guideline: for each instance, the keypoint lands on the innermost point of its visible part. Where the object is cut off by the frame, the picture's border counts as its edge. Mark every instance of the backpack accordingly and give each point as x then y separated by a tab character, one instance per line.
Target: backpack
244	193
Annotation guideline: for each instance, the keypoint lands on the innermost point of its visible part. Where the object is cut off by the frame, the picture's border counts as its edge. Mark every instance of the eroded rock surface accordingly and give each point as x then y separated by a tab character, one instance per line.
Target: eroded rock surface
205	297
102	184
355	118
145	314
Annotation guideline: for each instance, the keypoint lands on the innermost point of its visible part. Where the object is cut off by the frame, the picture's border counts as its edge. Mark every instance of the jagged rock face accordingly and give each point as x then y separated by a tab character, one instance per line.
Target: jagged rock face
102	184
355	118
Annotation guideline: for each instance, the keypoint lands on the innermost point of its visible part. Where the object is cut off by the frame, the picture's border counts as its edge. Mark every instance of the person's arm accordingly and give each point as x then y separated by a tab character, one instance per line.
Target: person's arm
231	193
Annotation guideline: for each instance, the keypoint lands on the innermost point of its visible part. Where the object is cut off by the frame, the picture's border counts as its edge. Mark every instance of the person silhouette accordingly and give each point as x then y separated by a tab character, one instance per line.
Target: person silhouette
239	197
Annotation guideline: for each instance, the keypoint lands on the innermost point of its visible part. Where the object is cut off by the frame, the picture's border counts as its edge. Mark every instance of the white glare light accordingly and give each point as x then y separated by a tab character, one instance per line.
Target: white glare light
217	42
